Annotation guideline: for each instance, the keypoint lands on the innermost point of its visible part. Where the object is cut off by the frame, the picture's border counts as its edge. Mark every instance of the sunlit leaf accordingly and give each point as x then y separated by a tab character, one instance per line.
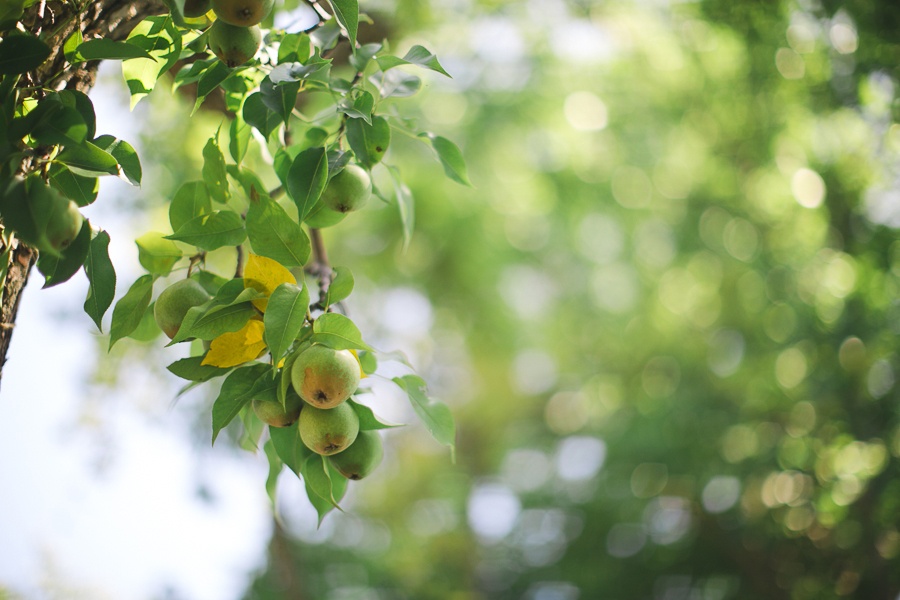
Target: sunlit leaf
130	309
337	332
264	275
232	349
285	315
437	418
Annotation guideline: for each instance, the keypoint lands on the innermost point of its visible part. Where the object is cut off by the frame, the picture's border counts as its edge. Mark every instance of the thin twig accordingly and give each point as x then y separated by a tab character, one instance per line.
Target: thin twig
321	268
239	269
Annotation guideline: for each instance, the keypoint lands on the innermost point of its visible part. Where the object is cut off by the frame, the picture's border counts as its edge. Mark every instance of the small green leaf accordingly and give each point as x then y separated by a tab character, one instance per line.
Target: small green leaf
130	309
214	172
360	58
239	138
406	206
307	179
256	113
396	84
192	370
103	49
72	44
211	282
59	269
295	47
21	53
289	447
87	160
253	429
222	319
64	127
234	395
280	99
337	332
147	330
367	361
418	55
214	76
212	231
316	475
451	158
435	415
162	40
157	254
274	234
368	420
341	286
101	279
125	156
190	201
347	13
83	190
360	108
369	142
275	466
284	317
80	102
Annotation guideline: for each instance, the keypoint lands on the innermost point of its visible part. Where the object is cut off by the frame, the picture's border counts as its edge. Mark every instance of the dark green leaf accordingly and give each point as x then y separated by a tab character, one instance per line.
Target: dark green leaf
369	142
214	172
347	13
284	317
101	279
275	466
368	420
253	429
307	179
192	370
341	286
212	231
361	56
65	126
234	395
289	446
258	115
280	99
130	309
360	108
222	319
295	73
83	190
451	158
239	138
190	201
125	155
21	53
317	479
435	415
337	332
274	234
80	102
87	160
103	49
337	160
59	269
210	80
147	330
191	73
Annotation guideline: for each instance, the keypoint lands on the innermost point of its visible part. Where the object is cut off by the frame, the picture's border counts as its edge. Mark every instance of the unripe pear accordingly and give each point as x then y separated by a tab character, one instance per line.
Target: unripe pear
325	377
349	190
321	216
242	13
175	301
63	224
194	9
272	413
234	45
328	431
360	458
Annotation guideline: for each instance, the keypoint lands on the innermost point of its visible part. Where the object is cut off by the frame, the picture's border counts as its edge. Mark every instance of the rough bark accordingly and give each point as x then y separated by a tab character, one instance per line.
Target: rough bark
111	19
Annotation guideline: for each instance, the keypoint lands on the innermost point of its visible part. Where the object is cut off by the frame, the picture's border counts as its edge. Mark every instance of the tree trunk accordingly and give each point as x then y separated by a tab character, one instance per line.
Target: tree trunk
110	19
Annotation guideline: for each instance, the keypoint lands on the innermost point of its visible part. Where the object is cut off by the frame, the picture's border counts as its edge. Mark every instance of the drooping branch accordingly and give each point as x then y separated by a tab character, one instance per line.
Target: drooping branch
57	21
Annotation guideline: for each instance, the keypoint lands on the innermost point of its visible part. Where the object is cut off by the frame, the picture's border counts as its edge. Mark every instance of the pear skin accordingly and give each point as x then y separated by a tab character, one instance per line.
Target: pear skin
242	13
328	431
273	414
175	301
233	45
325	377
349	190
360	458
64	224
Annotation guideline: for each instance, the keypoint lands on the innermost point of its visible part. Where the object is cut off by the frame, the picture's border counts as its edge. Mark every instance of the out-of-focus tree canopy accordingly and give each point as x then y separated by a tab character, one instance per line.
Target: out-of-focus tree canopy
666	319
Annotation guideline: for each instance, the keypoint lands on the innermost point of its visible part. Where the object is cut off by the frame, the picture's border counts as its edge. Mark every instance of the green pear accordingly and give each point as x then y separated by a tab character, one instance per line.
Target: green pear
328	431
175	301
63	224
272	413
325	377
234	45
321	216
194	9
242	13
362	456
349	190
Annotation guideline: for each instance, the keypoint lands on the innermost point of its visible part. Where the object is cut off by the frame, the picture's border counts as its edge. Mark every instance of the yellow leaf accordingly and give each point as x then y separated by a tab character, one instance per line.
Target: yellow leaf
232	349
362	373
264	275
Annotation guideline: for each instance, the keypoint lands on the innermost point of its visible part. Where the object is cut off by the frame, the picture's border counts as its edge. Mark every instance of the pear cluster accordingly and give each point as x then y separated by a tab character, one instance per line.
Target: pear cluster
234	36
322	380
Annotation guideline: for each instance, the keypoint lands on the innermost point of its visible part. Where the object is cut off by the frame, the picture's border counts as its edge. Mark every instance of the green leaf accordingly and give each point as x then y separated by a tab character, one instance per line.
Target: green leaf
396	84
130	309
369	142
347	13
360	58
157	254
341	286
325	36
234	395
368	420
435	415
21	53
88	160
212	231
83	190
80	102
295	47
26	207
214	172
125	156
72	44
103	49
239	138
214	76
289	447
275	466
247	180
222	319
451	158
64	126
190	319
337	332
147	330
59	269
367	361
307	179
101	279
285	382
191	73
190	201
317	479
274	234
360	108
418	55
162	40
258	115
253	429
406	206
280	99
284	317
192	370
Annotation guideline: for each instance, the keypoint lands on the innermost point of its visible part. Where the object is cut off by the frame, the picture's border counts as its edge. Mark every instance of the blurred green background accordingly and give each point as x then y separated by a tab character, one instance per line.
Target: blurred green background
665	318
